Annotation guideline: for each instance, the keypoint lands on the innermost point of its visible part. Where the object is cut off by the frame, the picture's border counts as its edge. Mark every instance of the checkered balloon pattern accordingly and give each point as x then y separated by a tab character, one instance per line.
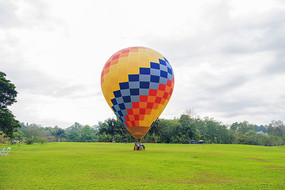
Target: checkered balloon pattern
137	83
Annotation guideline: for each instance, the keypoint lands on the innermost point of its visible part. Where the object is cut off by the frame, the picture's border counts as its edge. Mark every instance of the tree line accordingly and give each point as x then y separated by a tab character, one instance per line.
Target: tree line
185	129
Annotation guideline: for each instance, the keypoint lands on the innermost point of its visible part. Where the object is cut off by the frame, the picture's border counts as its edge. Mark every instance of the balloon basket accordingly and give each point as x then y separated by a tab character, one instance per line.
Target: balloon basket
139	146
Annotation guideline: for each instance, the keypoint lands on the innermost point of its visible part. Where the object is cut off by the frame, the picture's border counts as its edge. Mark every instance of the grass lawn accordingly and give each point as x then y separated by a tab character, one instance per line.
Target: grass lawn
161	166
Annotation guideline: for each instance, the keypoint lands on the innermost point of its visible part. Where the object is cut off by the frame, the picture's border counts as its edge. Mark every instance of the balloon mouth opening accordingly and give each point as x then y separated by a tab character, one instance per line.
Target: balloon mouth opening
138	132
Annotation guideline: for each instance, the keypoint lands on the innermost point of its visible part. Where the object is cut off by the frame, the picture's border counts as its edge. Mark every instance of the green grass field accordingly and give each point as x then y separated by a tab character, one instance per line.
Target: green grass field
161	166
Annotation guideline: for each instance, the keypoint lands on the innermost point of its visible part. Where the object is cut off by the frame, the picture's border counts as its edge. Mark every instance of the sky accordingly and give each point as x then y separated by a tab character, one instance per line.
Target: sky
228	56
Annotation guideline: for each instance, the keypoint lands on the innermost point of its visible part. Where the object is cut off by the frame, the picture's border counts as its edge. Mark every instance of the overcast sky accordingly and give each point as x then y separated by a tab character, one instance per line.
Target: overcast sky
228	56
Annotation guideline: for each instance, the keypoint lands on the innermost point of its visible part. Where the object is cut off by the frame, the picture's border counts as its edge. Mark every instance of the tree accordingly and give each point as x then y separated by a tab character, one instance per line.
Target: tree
242	127
111	128
8	91
154	128
188	126
212	131
169	130
32	133
87	134
105	137
276	128
8	123
72	136
260	128
8	95
152	134
58	133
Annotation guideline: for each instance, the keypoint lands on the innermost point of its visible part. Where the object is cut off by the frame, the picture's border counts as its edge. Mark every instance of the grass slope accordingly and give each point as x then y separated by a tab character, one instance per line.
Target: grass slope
161	166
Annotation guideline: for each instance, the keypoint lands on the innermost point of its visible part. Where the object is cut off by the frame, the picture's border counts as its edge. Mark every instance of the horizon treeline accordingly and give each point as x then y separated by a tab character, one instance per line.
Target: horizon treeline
184	130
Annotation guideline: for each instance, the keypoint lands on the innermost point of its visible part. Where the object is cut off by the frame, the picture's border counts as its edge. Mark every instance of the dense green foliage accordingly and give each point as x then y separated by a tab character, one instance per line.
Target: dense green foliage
187	129
113	130
31	133
183	130
79	133
161	166
8	95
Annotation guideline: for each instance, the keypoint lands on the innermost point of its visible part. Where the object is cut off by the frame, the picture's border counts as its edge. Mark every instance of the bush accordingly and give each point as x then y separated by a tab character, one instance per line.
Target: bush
105	138
42	140
3	138
50	139
29	140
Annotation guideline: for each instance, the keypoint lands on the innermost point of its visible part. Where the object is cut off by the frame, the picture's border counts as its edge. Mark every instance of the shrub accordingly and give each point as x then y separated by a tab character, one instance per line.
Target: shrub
42	140
3	138
29	140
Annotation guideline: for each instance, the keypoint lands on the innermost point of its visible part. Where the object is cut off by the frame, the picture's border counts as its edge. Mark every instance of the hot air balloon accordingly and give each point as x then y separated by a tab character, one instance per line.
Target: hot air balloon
137	83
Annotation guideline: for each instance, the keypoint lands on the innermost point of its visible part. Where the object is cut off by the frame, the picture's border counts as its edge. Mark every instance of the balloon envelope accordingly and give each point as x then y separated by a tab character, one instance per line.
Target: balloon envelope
137	83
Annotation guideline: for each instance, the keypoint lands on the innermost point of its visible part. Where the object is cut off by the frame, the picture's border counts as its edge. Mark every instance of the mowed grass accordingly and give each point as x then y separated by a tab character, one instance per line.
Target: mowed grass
161	166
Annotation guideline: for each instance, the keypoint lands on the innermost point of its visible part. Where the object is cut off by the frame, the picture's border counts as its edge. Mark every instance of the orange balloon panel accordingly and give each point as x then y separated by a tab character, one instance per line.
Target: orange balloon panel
137	83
